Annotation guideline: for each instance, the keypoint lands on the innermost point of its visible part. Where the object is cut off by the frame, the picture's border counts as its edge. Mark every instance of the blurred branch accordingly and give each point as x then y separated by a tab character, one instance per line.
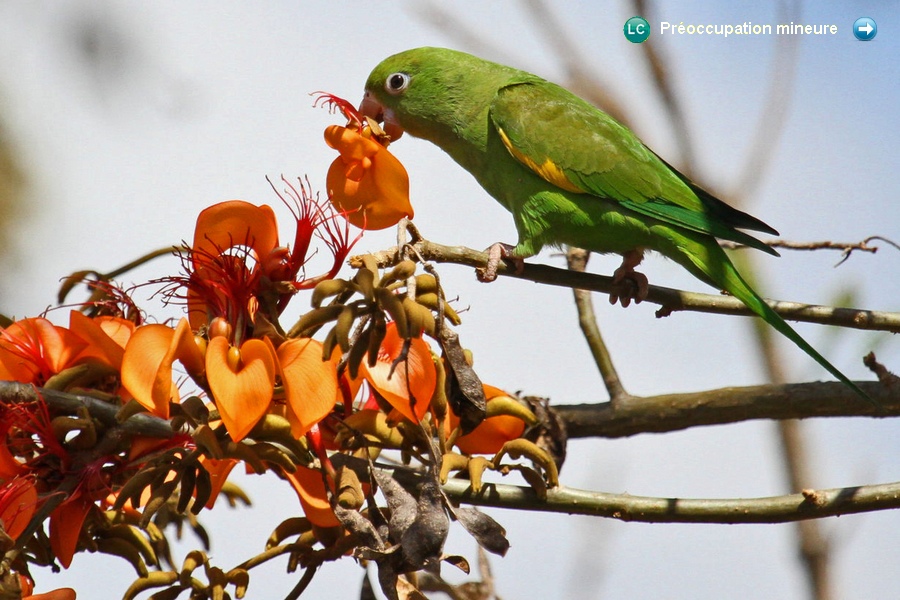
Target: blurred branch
809	504
770	126
813	546
579	79
660	71
669	299
673	412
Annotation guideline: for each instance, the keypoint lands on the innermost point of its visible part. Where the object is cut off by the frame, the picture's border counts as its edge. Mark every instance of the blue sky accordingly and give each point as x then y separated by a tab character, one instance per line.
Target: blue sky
204	99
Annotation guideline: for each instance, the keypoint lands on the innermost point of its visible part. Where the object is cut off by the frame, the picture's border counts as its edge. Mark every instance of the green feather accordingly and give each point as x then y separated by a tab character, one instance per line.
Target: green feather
568	172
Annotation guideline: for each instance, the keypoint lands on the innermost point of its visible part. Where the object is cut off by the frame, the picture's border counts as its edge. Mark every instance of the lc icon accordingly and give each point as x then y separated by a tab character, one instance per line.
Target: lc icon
637	30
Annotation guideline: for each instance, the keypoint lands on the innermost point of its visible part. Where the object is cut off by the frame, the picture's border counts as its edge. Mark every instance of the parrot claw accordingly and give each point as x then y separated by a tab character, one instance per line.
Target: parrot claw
628	284
496	253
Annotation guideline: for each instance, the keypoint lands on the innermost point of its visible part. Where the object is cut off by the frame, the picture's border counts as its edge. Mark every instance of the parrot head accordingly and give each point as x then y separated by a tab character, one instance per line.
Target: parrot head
429	92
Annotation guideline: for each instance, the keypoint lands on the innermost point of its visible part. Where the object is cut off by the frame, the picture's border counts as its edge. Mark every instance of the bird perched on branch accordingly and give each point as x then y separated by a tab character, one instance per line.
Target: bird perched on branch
568	172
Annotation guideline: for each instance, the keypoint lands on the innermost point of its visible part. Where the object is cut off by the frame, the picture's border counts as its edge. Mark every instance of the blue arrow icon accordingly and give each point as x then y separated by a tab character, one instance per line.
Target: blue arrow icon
865	29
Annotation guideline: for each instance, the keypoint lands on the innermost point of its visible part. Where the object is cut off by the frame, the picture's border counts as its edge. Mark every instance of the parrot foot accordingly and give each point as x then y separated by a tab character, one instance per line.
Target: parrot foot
496	253
628	284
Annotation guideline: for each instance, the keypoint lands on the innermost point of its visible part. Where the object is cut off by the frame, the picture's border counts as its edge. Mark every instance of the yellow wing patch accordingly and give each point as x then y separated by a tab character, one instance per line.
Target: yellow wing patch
549	171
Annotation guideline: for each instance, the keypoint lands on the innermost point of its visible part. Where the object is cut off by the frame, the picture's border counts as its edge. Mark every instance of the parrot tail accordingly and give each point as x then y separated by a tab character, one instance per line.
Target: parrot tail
716	268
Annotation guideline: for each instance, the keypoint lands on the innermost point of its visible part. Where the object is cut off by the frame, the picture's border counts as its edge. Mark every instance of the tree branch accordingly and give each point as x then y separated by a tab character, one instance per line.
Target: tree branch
673	412
671	300
809	504
105	412
577	260
630	416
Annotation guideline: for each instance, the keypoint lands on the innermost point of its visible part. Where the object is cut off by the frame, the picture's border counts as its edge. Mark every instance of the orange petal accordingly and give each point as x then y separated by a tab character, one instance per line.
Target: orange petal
106	337
147	363
18	501
242	392
408	389
218	469
367	183
492	433
309	382
57	594
310	489
65	527
34	349
9	466
236	223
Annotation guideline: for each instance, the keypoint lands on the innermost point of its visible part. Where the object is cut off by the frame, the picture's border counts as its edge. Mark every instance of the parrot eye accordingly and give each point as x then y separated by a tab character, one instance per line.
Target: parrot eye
396	83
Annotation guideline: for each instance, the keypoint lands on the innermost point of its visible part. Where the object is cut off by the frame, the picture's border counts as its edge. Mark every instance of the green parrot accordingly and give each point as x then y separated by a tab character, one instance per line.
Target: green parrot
568	172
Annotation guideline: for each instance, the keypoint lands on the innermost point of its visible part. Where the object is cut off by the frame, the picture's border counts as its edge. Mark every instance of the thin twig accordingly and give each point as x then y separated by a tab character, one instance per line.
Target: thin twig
809	504
846	248
577	260
670	299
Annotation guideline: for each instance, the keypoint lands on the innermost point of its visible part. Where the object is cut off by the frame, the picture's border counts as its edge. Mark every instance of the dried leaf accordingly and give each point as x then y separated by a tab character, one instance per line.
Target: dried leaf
457	561
361	527
486	531
466	393
423	541
401	503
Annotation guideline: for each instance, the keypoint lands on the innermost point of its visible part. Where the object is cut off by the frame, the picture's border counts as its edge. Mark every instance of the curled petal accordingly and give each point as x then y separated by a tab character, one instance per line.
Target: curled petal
242	389
106	337
235	222
147	363
410	387
309	382
367	183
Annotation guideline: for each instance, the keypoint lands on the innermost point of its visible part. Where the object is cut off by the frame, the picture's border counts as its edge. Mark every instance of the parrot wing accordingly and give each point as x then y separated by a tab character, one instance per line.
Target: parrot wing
575	146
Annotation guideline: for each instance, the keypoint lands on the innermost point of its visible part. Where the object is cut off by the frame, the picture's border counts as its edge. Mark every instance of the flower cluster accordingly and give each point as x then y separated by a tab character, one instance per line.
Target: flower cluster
366	182
113	426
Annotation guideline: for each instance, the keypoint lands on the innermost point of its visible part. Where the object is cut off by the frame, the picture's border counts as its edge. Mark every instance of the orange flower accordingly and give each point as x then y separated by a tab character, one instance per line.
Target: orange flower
310	383
242	381
410	387
493	432
147	364
33	350
366	183
236	264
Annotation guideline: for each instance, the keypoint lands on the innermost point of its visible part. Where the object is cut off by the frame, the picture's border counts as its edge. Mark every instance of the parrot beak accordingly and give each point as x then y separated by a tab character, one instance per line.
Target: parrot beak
369	107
